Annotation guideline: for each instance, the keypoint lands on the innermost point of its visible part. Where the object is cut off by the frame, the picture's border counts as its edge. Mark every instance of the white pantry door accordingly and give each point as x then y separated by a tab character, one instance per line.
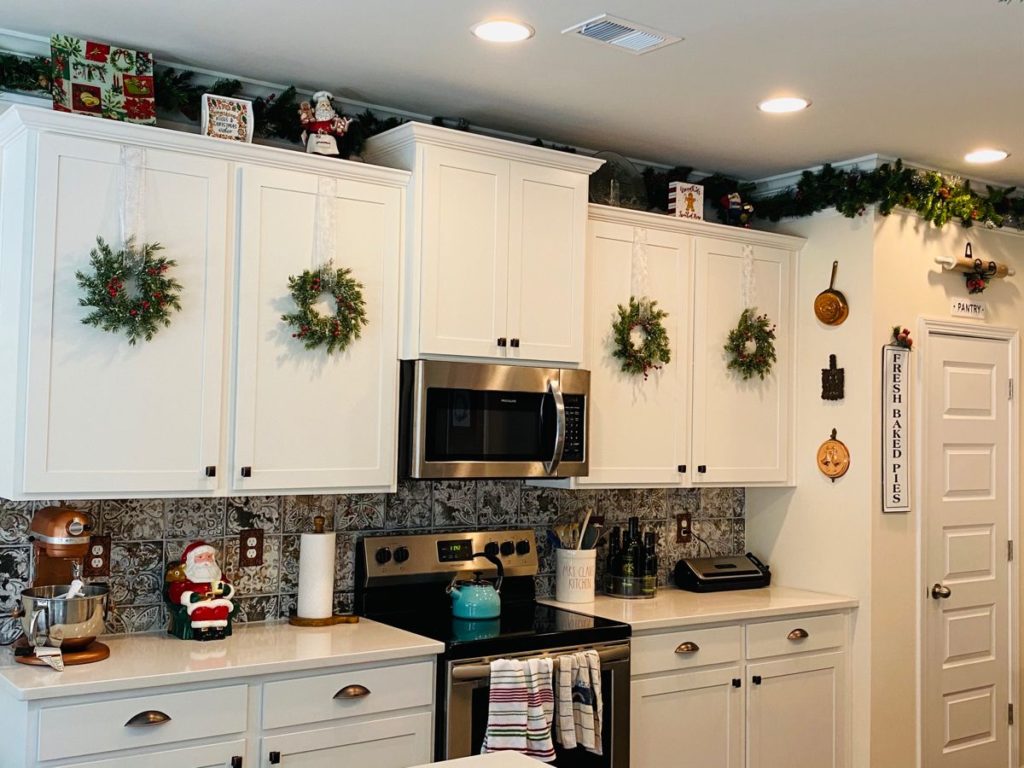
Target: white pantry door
966	491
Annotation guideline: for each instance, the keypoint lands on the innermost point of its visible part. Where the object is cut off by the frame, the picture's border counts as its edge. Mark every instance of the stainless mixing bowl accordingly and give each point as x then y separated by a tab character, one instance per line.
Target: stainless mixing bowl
67	624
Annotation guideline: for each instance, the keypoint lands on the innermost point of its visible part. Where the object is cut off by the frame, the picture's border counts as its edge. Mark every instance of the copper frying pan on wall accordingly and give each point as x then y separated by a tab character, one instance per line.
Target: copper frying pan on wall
830	306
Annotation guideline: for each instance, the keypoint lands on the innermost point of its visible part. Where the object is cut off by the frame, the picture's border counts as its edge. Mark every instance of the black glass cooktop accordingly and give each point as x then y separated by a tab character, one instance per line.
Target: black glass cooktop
522	628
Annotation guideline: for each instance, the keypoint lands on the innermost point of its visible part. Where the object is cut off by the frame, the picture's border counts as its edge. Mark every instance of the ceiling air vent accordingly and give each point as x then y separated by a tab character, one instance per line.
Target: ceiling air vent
622	34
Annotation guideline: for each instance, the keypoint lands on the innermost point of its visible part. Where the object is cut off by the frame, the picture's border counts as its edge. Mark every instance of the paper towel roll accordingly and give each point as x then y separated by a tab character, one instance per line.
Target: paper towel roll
316	575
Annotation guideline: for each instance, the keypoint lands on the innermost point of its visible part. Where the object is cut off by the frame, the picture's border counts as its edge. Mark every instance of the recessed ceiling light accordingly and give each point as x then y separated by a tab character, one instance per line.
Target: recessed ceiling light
784	104
986	156
503	31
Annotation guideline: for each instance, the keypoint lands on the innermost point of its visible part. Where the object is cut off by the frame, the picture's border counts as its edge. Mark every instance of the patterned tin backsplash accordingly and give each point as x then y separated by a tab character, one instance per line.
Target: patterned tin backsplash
147	533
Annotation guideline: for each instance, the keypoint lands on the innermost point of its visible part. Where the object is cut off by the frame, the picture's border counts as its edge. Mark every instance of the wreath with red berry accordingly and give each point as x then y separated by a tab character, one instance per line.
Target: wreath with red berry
751	345
314	329
650	349
129	290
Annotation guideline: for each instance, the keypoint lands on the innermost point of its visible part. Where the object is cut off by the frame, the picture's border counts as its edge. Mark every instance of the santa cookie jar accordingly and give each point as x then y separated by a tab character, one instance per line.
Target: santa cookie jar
321	124
199	596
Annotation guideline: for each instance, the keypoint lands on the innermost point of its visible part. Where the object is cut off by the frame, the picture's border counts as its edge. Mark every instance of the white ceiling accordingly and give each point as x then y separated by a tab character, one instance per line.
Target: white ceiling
926	80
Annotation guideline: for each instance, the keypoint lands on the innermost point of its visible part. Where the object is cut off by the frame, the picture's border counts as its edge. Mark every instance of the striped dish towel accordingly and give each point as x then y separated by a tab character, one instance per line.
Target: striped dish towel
520	709
578	696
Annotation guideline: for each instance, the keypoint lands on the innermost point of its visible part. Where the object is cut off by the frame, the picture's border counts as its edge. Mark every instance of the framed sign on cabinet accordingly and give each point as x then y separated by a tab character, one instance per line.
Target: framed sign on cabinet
895	429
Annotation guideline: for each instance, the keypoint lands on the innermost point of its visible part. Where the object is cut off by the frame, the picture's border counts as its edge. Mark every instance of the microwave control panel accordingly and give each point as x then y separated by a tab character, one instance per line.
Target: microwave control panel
575	421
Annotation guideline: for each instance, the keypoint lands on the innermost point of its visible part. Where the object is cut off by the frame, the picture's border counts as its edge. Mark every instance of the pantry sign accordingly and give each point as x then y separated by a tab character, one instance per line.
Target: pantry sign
895	429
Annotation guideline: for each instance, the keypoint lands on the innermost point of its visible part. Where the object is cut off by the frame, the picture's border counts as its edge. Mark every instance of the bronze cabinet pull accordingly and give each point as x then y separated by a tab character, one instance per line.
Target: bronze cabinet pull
149	717
798	634
352	692
687	647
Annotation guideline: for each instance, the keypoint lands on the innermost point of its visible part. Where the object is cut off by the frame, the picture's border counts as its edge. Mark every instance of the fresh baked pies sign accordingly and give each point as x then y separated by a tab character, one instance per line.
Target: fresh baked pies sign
896	425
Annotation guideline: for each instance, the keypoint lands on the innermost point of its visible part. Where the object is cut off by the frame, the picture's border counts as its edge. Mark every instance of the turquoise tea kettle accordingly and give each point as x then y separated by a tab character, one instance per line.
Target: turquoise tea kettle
477	598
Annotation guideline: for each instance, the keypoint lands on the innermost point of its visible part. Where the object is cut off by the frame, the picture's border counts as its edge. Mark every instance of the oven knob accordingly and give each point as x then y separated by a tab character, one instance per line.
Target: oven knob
401	554
383	555
507	548
492	548
523	547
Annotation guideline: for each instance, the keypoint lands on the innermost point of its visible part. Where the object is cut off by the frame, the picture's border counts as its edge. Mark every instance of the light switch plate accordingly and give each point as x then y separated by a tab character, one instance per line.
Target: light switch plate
683	532
250	547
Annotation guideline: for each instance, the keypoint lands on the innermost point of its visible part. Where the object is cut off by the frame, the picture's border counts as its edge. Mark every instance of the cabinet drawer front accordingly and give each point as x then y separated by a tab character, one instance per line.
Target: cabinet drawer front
795	635
685	649
393	742
347	694
103	726
212	756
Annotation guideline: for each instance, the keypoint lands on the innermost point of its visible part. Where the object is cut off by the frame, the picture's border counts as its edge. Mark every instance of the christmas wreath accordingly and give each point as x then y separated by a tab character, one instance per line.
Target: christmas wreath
752	345
653	351
314	329
129	290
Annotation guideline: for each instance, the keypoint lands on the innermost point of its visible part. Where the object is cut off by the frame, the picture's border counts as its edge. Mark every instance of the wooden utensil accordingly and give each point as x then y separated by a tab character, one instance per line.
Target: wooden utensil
830	306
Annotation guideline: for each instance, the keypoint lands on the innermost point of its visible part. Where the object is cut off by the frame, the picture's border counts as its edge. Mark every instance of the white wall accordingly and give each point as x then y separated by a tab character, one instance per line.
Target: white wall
817	535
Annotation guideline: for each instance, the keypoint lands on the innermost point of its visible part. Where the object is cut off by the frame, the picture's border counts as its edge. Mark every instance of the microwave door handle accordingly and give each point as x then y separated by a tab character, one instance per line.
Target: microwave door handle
551	467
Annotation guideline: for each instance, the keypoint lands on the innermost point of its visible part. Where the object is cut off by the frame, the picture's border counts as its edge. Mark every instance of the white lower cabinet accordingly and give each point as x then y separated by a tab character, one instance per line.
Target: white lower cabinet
395	742
760	695
379	716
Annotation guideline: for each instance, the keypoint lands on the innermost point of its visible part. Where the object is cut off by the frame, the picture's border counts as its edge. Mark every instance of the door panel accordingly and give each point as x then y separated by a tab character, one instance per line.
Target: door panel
966	513
210	756
639	428
463	304
741	428
547	232
103	415
307	419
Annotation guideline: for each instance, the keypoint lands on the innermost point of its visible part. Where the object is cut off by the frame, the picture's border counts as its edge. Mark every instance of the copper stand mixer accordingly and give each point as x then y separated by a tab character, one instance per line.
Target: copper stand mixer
60	539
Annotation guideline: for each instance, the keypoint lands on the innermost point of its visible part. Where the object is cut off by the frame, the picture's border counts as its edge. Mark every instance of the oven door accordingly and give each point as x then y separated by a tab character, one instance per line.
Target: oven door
468	689
468	420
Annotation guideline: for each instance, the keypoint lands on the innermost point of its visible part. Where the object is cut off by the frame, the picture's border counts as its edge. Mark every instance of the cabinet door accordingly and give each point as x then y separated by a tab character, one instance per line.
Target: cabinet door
796	712
103	416
741	428
210	756
547	235
639	429
306	419
397	742
464	260
693	718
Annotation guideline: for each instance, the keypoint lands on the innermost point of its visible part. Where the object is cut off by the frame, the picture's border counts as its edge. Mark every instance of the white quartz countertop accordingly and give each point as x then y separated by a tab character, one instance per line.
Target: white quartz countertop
150	660
677	608
496	760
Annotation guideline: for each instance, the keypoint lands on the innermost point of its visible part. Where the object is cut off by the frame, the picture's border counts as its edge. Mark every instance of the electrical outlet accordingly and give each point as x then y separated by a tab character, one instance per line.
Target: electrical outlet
96	563
250	547
683	533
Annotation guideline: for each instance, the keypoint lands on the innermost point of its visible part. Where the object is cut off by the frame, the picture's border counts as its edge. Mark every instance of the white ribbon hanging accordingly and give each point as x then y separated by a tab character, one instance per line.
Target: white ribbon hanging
133	190
748	287
638	272
324	224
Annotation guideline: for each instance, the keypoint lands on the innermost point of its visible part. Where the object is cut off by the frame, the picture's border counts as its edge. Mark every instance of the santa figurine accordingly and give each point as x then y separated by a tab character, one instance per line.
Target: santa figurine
321	124
199	596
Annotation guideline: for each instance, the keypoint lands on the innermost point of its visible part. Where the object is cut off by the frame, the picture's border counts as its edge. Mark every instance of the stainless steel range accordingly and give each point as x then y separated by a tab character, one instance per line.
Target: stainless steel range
402	581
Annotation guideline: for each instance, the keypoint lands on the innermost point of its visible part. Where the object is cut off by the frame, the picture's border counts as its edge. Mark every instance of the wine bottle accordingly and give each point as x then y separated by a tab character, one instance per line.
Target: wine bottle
614	551
650	584
631	546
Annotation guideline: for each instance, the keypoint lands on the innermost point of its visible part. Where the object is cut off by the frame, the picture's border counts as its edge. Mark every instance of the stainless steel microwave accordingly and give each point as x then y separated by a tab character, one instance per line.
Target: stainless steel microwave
473	420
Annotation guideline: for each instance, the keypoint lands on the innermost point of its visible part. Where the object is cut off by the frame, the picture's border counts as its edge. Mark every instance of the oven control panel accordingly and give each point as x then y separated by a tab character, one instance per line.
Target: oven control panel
441	555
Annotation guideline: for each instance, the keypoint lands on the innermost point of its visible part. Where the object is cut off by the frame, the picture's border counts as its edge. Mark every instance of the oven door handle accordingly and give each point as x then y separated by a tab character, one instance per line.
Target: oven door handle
551	467
470	672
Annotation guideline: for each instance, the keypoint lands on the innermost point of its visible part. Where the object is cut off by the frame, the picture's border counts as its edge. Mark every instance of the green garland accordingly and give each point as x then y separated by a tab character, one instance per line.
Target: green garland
139	313
335	331
751	345
654	352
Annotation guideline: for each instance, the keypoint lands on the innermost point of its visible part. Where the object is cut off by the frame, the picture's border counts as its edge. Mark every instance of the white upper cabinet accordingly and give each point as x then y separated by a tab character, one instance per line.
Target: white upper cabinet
99	414
85	414
742	429
639	429
306	419
494	265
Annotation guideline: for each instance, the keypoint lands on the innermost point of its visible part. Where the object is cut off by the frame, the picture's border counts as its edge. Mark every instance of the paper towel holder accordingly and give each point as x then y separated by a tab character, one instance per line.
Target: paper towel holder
338	618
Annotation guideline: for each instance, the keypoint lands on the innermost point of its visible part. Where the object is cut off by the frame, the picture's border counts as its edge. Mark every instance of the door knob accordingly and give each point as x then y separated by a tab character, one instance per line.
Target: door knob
941	592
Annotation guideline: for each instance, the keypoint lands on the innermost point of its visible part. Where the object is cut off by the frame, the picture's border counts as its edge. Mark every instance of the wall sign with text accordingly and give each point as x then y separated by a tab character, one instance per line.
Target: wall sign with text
895	429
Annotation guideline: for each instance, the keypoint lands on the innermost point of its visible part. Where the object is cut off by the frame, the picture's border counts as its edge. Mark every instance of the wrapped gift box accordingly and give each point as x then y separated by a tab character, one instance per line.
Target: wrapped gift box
93	78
